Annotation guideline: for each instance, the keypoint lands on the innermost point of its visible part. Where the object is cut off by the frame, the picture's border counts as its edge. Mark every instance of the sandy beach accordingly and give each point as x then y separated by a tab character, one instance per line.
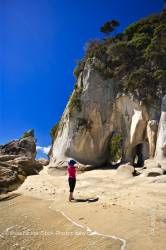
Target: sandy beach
130	213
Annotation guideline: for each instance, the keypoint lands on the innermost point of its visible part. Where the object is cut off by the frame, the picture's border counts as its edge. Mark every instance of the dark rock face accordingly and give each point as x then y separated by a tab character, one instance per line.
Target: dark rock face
8	179
27	166
17	161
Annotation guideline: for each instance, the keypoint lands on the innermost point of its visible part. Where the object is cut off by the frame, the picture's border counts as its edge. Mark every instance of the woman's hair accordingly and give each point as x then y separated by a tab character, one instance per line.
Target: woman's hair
72	162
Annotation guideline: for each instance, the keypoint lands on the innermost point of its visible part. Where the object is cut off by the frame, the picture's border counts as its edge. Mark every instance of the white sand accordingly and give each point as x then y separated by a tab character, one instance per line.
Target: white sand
132	209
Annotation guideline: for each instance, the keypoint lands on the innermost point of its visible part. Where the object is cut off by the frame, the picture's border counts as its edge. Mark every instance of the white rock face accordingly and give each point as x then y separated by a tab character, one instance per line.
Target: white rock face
151	163
152	128
96	110
123	110
138	126
83	135
161	137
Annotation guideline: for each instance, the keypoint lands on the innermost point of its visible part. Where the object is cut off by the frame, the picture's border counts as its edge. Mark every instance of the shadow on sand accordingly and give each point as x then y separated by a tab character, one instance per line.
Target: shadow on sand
86	199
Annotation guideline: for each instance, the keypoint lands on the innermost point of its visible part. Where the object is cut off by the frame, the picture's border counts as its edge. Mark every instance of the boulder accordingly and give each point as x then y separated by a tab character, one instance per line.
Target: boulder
151	163
153	172
17	161
125	171
14	172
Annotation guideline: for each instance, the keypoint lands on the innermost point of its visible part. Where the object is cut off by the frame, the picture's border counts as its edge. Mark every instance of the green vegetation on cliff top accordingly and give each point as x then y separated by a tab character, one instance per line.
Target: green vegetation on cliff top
135	58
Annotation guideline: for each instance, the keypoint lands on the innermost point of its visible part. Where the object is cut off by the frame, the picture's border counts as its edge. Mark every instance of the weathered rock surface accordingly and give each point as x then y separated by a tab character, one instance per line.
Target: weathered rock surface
151	163
23	147
96	111
43	161
125	171
17	160
4	158
152	128
85	129
161	138
8	178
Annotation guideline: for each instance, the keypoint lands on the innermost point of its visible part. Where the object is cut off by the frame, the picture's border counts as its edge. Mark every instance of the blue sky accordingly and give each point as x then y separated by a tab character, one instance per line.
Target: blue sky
40	43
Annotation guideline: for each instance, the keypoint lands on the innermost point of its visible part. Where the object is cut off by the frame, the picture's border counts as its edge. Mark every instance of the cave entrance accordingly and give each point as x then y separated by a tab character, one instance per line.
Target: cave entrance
137	156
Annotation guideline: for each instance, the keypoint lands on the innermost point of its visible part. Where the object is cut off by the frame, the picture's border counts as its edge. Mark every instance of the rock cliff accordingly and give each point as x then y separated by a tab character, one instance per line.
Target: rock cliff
115	97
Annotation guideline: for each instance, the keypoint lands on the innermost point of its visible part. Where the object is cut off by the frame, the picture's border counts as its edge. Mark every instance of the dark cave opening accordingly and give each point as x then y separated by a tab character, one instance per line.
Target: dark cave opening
137	158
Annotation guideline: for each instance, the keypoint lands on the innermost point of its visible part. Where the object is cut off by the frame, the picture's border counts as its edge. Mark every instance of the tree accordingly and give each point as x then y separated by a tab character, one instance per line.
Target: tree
109	27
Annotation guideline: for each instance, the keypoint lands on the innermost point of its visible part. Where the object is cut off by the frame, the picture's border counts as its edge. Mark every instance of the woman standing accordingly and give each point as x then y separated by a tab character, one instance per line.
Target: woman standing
71	177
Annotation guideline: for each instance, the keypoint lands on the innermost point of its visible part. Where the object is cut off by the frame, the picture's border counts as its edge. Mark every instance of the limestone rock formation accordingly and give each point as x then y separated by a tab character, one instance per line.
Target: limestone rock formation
17	160
86	126
115	108
84	134
161	138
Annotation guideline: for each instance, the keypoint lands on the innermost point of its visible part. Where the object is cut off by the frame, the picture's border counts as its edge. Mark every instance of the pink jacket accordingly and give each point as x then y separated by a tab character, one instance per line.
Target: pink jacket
71	171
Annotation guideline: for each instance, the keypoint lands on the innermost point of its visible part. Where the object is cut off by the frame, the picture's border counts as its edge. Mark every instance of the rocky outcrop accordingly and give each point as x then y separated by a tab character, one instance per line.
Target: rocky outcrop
116	102
25	146
161	137
85	127
17	160
96	111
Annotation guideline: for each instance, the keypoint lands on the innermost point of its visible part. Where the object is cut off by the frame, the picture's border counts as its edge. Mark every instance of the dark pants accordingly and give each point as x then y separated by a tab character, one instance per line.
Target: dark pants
72	183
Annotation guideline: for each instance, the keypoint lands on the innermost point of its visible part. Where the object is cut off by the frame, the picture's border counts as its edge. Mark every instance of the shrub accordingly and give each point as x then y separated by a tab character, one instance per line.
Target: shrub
115	147
75	101
84	124
147	29
79	68
140	40
132	58
28	133
160	76
96	49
